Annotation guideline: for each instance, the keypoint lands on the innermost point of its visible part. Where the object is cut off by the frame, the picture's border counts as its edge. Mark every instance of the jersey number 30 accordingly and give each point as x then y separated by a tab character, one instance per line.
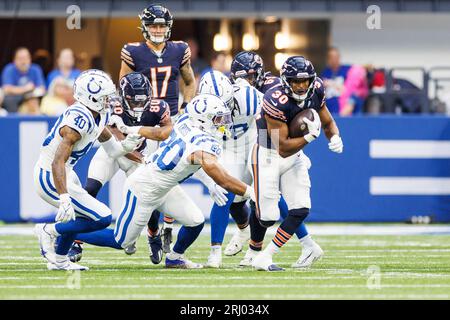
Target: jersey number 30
154	77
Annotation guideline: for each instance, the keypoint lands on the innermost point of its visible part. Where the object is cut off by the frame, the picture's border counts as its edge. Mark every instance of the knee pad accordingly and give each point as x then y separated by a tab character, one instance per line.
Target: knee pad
301	213
266	224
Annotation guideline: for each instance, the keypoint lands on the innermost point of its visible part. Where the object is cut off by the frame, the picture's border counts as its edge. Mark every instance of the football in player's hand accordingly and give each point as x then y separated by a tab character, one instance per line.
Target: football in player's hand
298	128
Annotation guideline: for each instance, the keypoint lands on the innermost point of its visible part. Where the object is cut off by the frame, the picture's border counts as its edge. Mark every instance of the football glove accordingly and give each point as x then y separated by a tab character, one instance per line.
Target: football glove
336	144
313	128
131	142
218	194
65	211
118	122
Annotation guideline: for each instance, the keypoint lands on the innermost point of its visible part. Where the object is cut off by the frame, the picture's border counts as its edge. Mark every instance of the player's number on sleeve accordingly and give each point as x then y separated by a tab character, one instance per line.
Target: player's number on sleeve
160	92
282	98
80	122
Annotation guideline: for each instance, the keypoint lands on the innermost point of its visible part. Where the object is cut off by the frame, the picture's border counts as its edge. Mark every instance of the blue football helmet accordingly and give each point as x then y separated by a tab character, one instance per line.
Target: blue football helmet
297	68
156	14
248	65
136	93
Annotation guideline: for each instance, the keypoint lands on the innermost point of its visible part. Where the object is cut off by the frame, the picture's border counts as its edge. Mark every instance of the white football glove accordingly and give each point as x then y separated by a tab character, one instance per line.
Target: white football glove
218	194
313	127
249	194
118	122
336	144
131	142
65	211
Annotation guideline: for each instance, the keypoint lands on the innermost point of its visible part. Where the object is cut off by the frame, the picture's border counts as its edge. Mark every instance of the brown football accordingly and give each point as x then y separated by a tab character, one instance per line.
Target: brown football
297	128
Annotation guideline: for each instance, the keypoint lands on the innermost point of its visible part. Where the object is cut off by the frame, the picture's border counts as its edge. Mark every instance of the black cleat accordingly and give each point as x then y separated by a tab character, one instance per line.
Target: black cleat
155	248
166	239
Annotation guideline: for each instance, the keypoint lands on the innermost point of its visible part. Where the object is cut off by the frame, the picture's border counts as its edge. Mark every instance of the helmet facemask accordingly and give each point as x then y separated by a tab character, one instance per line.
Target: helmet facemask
300	94
222	123
135	106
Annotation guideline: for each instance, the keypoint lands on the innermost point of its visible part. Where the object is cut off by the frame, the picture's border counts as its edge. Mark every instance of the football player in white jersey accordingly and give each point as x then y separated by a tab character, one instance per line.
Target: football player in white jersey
71	137
192	145
244	102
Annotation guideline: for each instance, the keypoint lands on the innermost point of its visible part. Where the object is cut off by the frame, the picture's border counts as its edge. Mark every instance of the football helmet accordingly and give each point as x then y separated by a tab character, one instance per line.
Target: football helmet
156	14
248	65
93	88
210	114
136	93
216	83
297	68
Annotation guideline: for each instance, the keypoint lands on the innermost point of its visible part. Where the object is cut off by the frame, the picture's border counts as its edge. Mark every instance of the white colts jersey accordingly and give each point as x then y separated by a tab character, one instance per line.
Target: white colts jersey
247	106
170	164
79	118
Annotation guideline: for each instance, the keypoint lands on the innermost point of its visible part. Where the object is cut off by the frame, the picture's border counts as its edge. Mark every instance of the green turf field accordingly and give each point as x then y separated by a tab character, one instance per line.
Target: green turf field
411	267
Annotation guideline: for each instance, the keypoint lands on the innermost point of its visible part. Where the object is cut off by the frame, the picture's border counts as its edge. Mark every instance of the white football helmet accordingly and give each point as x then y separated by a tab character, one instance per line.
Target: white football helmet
216	83
93	88
210	114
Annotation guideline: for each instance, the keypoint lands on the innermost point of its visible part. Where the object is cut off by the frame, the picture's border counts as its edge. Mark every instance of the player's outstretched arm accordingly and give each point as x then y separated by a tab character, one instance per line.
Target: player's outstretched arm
331	130
69	138
124	70
115	148
279	134
153	133
213	169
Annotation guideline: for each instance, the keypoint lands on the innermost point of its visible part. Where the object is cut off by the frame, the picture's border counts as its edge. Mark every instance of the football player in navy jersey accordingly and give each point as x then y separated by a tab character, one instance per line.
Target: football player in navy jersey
278	164
162	61
249	65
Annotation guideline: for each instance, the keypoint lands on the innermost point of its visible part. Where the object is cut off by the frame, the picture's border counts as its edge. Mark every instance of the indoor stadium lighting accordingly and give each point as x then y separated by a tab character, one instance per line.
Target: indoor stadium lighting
280	58
282	38
250	40
222	40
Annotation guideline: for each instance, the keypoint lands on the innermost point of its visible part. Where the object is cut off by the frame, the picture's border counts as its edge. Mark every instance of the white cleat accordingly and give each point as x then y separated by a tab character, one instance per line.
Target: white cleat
66	265
214	259
238	241
248	259
131	249
46	242
309	255
263	262
181	263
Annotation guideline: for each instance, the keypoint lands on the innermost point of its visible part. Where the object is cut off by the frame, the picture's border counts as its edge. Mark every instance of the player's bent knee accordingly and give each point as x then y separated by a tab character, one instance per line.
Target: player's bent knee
300	213
104	222
266	223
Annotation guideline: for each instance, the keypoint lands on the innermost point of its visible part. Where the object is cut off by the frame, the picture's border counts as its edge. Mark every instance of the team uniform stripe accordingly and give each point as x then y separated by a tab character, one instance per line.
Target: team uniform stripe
127	222
122	214
255	101
216	89
284	233
277	243
85	210
247	100
281	238
47	178
41	181
256	177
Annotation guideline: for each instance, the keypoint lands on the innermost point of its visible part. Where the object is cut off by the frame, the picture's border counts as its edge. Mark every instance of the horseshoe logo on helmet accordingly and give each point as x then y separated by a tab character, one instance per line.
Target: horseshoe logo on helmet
93	91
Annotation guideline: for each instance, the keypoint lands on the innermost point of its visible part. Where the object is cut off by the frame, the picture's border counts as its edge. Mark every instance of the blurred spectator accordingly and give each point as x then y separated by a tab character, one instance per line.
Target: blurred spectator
334	76
218	62
43	58
65	67
23	83
58	98
355	91
197	63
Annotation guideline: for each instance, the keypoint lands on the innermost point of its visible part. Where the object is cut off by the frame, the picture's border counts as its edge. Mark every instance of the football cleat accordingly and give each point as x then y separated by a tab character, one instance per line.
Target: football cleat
131	249
310	254
155	248
46	242
182	263
263	262
237	242
75	252
215	258
248	259
166	239
66	265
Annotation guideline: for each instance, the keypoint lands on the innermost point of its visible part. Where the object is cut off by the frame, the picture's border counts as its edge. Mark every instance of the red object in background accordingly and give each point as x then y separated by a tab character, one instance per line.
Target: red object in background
379	79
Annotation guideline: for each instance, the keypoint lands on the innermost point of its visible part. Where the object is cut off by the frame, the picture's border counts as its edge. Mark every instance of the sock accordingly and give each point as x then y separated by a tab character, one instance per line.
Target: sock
287	228
65	241
186	236
102	238
81	225
153	223
219	220
257	231
93	187
168	222
240	213
307	241
272	248
284	211
216	247
173	255
281	237
51	229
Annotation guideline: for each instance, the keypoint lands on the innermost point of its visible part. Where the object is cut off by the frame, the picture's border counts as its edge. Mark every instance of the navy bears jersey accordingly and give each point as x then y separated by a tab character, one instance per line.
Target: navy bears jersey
157	114
269	82
277	105
163	70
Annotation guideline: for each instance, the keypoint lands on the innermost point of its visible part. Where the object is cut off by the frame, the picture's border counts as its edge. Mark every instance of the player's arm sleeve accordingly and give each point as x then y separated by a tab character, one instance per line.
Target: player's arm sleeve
320	90
272	111
126	55
186	54
164	114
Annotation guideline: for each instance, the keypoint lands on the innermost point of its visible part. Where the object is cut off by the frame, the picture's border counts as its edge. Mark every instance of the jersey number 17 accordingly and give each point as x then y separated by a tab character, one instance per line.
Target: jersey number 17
167	70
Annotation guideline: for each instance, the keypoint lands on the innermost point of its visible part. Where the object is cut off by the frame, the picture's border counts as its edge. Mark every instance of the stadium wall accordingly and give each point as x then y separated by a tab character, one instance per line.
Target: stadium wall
392	168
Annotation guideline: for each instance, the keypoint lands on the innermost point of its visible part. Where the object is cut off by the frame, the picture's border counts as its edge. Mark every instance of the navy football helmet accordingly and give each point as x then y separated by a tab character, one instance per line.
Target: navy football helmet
136	93
248	65
297	68
156	14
